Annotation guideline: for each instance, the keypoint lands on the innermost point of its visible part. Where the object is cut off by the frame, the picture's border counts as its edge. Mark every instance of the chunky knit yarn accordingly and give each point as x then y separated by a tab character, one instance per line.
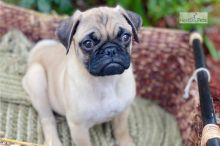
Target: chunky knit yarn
149	125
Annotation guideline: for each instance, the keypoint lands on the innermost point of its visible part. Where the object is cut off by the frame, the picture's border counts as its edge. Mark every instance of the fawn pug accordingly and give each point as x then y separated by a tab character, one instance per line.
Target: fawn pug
87	76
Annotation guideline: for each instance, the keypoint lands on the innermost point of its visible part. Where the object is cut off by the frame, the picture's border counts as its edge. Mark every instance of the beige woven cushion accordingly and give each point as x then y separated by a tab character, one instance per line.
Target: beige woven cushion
148	124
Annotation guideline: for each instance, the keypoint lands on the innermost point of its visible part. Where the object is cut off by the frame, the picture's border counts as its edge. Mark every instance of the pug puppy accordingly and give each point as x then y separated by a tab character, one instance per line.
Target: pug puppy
92	82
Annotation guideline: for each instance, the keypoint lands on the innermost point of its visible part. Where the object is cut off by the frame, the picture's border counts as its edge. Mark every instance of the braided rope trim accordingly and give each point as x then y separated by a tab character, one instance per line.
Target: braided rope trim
209	131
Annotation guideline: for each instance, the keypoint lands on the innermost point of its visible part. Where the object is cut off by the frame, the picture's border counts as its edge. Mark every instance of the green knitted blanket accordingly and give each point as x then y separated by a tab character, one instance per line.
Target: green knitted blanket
149	125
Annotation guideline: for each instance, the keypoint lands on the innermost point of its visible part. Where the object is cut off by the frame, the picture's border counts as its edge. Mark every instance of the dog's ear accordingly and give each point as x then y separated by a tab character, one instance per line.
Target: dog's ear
67	29
133	19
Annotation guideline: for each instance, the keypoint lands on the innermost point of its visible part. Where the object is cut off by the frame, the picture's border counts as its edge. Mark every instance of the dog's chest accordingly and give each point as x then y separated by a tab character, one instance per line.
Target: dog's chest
107	104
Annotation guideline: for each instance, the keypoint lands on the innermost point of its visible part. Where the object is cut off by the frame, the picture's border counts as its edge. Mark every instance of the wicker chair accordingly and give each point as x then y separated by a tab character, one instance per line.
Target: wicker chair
163	63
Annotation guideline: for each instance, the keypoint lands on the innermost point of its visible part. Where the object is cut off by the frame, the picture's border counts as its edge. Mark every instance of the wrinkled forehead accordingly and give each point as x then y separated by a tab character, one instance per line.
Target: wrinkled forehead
101	21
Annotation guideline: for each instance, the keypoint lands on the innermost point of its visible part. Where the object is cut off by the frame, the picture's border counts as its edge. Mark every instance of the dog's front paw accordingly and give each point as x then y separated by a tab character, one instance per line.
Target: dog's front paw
53	142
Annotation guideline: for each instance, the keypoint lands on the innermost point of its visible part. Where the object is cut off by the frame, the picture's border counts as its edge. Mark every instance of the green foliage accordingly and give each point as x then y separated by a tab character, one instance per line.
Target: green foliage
213	52
136	6
46	6
159	9
152	11
27	3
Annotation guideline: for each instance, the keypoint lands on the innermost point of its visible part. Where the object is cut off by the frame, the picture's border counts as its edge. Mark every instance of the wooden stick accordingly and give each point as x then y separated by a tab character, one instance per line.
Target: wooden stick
18	142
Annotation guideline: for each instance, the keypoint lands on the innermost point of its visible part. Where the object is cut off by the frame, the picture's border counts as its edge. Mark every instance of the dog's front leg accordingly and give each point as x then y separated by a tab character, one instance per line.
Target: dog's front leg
35	84
120	129
79	133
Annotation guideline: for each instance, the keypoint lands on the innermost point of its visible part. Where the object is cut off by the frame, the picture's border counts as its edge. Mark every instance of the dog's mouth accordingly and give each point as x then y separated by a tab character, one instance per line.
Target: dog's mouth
109	67
112	68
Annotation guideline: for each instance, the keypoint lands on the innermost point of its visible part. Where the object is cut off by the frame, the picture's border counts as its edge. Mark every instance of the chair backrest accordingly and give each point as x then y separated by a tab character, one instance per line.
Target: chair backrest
163	63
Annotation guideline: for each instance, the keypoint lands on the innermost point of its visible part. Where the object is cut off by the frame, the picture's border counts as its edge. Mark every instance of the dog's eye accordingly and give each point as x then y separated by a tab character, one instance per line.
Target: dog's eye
125	37
88	44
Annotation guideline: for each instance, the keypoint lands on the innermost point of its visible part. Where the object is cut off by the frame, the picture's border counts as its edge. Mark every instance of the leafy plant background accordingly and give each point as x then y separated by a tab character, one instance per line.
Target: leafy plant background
159	13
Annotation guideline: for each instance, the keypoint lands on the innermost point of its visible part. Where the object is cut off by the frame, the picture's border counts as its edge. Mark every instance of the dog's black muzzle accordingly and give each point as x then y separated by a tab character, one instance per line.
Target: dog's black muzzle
109	59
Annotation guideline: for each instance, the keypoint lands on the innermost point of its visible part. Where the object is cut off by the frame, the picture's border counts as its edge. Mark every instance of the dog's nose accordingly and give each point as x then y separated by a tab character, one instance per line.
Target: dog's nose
111	51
